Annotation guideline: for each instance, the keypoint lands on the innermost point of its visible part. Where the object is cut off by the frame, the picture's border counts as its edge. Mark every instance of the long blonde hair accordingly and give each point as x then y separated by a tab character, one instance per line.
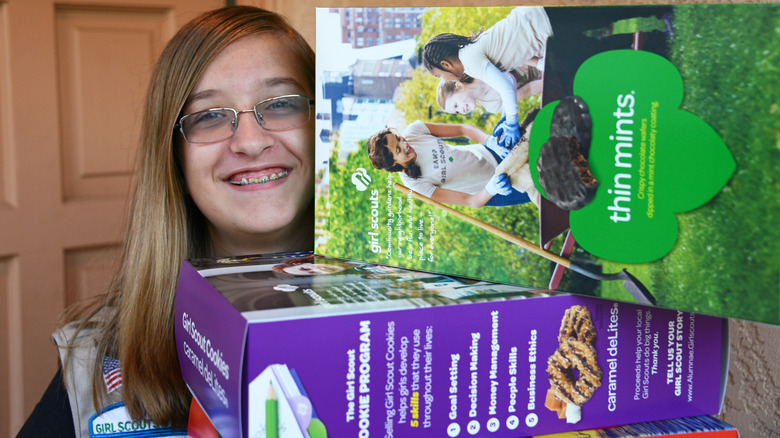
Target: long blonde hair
135	320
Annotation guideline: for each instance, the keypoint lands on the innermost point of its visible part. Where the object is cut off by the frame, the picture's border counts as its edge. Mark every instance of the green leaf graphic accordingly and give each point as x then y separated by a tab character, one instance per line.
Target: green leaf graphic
651	158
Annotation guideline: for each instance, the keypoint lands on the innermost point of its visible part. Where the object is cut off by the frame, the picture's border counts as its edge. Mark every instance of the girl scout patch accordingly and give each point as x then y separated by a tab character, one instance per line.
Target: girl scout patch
115	422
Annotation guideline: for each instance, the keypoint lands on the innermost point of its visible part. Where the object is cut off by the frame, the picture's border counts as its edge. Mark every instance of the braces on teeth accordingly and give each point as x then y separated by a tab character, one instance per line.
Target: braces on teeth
263	180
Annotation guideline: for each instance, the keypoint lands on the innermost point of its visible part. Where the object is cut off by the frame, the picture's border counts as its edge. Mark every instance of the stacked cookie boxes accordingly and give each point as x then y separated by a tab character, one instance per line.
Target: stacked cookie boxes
399	368
704	426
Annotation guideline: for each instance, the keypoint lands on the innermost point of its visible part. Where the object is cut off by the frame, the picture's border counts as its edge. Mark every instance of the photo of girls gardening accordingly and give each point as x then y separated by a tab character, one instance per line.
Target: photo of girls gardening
627	152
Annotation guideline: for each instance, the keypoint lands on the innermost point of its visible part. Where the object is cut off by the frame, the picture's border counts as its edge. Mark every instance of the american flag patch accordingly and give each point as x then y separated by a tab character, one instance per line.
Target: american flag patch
112	374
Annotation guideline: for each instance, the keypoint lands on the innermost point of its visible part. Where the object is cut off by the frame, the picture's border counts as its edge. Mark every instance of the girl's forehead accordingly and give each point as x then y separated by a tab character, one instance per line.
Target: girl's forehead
391	138
250	65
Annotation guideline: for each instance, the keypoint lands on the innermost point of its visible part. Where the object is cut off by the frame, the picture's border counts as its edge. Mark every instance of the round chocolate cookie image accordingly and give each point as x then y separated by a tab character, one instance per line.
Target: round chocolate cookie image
572	118
564	174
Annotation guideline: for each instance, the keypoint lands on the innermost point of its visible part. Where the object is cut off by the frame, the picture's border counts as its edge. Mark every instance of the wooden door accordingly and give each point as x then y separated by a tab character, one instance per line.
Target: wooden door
72	79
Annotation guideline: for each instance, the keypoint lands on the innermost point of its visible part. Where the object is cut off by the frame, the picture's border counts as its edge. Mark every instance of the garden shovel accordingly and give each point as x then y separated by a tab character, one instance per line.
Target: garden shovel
637	290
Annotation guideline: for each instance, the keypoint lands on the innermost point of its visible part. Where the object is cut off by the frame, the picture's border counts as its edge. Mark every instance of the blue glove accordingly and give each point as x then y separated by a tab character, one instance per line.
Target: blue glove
500	122
508	132
500	151
499	185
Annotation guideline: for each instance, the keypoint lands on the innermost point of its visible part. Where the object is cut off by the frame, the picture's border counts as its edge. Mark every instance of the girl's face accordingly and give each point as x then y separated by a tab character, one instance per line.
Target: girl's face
271	210
402	151
461	101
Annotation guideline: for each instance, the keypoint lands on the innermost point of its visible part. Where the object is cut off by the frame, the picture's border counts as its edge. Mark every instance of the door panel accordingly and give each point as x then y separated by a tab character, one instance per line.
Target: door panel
100	121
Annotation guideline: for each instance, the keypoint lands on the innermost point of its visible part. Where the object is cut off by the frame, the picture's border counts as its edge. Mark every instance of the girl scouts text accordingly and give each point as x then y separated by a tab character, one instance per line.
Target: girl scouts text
214	354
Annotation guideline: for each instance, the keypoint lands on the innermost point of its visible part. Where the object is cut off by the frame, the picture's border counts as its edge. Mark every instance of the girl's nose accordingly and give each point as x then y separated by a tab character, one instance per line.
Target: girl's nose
250	138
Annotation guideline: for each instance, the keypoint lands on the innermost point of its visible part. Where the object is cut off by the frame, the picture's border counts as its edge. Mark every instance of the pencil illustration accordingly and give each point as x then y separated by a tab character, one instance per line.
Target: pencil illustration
271	414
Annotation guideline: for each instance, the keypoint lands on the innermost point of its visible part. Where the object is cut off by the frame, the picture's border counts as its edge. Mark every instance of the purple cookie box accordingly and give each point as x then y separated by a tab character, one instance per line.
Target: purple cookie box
471	369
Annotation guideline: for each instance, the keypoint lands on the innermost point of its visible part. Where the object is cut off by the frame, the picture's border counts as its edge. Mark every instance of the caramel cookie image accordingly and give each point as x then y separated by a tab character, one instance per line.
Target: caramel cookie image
577	324
573	369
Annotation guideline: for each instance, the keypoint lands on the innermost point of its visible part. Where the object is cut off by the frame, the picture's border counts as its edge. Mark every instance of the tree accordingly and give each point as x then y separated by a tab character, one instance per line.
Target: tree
417	99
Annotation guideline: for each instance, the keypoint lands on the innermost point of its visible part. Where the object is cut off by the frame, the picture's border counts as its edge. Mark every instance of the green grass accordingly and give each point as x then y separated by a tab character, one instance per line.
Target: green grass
726	260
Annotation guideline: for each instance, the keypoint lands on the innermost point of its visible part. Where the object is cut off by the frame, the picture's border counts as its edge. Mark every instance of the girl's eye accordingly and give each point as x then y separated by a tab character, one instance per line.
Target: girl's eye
281	107
211	115
208	118
280	103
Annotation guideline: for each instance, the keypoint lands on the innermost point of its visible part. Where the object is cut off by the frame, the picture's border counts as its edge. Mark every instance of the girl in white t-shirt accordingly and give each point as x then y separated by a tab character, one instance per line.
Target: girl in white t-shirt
457	97
516	40
461	175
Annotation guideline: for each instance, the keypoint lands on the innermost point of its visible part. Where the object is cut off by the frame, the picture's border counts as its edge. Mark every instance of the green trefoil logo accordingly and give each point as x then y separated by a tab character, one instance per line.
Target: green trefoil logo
651	158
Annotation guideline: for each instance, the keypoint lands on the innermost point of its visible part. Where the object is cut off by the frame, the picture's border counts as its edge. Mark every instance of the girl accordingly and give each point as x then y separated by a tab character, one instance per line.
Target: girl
518	39
457	97
225	168
463	175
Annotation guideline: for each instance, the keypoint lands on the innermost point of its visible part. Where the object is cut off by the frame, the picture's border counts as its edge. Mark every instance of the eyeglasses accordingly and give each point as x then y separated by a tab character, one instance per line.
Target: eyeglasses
217	124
